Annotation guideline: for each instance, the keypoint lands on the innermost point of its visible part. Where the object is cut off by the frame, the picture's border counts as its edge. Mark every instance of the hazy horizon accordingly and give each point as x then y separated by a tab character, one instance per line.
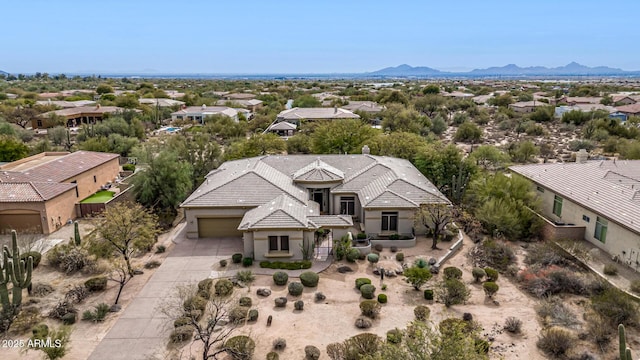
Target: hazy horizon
291	37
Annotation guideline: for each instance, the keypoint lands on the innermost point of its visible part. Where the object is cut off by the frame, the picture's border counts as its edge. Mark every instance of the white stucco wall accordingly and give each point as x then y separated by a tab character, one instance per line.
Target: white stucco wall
261	245
373	220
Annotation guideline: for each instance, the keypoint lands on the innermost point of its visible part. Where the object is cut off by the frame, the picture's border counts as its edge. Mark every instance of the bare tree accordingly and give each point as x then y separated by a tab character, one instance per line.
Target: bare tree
212	326
435	217
120	274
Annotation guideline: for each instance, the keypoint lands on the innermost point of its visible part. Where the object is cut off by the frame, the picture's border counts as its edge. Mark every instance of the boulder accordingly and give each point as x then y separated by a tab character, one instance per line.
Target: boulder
263	292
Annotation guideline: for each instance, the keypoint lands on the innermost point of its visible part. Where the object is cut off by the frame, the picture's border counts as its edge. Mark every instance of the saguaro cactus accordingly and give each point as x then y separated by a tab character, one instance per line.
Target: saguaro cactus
19	270
76	232
5	278
625	352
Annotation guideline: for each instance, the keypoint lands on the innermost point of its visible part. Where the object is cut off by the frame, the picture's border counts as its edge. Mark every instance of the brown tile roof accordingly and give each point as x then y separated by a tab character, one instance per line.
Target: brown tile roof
69	166
31	191
630	109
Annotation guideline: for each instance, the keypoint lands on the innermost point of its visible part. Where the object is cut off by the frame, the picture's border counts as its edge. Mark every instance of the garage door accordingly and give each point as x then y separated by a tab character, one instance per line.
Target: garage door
219	227
22	223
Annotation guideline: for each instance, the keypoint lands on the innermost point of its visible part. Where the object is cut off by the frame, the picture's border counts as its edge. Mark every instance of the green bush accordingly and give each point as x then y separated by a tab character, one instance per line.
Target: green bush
223	287
181	321
452	272
616	306
428	294
160	249
373	258
490	288
194	303
236	258
610	269
295	288
635	286
452	292
98	314
245	301
311	353
382	298
378	247
204	288
367	291
253	315
353	254
35	255
298	305
245	276
223	263
400	257
492	274
421	312
361	236
98	283
478	274
362	281
394	336
370	308
246	262
237	314
128	167
290	265
280	301
69	318
273	356
280	278
421	263
309	279
181	334
241	347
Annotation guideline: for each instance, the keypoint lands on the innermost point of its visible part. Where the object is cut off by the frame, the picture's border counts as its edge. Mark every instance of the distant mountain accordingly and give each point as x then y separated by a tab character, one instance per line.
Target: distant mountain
571	69
407	70
3	72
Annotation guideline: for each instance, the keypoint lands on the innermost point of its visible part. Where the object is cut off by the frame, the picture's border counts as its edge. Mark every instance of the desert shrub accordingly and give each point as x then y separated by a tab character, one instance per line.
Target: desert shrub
286	265
280	278
478	274
152	264
513	325
295	288
362	281
544	254
597	330
610	269
400	256
69	259
554	312
552	280
223	287
240	347
417	276
378	247
41	290
421	263
98	283
497	254
452	272
237	258
421	312
452	292
195	302
428	294
616	306
98	314
128	167
76	294
320	296
394	336
181	334
272	355
492	274
280	301
245	301
393	249
35	255
279	344
367	291
253	315
245	276
481	346
357	347
635	286
451	326
382	298
311	352
61	309
246	262
223	263
181	321
160	249
490	288
556	341
298	305
373	258
309	279
26	319
363	323
353	255
370	308
204	288
467	316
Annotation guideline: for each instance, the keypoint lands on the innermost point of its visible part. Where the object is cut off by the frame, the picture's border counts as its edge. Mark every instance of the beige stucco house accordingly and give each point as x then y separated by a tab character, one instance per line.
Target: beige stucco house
276	203
38	194
595	200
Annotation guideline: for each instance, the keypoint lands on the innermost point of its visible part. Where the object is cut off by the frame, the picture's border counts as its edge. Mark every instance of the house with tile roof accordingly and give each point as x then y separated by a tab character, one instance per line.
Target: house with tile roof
77	116
274	204
295	115
39	194
200	113
595	200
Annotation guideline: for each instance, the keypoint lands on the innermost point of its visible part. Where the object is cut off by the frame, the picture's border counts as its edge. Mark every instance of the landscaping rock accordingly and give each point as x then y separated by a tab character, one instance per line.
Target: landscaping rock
433	261
344	269
115	308
390	273
263	292
376	271
435	269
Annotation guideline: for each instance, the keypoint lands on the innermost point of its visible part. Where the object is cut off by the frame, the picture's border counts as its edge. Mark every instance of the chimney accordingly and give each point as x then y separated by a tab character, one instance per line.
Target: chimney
582	156
366	150
204	106
98	106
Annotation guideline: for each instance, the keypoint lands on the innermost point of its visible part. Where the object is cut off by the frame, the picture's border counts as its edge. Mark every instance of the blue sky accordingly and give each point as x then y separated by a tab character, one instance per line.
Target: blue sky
303	36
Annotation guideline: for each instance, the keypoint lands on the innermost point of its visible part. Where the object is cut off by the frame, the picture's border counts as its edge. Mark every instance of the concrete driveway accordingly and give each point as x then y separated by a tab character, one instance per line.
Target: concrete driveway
141	332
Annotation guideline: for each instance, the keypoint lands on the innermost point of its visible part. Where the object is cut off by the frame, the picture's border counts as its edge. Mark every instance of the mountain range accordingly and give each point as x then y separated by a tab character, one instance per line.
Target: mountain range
3	72
571	69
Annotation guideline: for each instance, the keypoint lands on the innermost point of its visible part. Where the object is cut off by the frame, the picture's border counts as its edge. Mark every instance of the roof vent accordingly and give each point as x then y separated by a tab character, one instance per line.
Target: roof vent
582	156
366	150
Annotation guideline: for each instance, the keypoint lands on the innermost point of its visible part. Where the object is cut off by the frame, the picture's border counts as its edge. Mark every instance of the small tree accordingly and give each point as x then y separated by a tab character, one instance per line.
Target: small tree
417	276
436	217
59	341
121	275
452	292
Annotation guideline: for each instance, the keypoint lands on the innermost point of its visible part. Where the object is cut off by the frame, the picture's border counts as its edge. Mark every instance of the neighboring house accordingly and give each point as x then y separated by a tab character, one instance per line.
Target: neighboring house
282	128
199	113
78	115
482	99
66	104
526	106
595	200
275	203
38	194
574	100
364	106
620	100
239	96
296	114
458	95
251	104
630	110
161	102
560	110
